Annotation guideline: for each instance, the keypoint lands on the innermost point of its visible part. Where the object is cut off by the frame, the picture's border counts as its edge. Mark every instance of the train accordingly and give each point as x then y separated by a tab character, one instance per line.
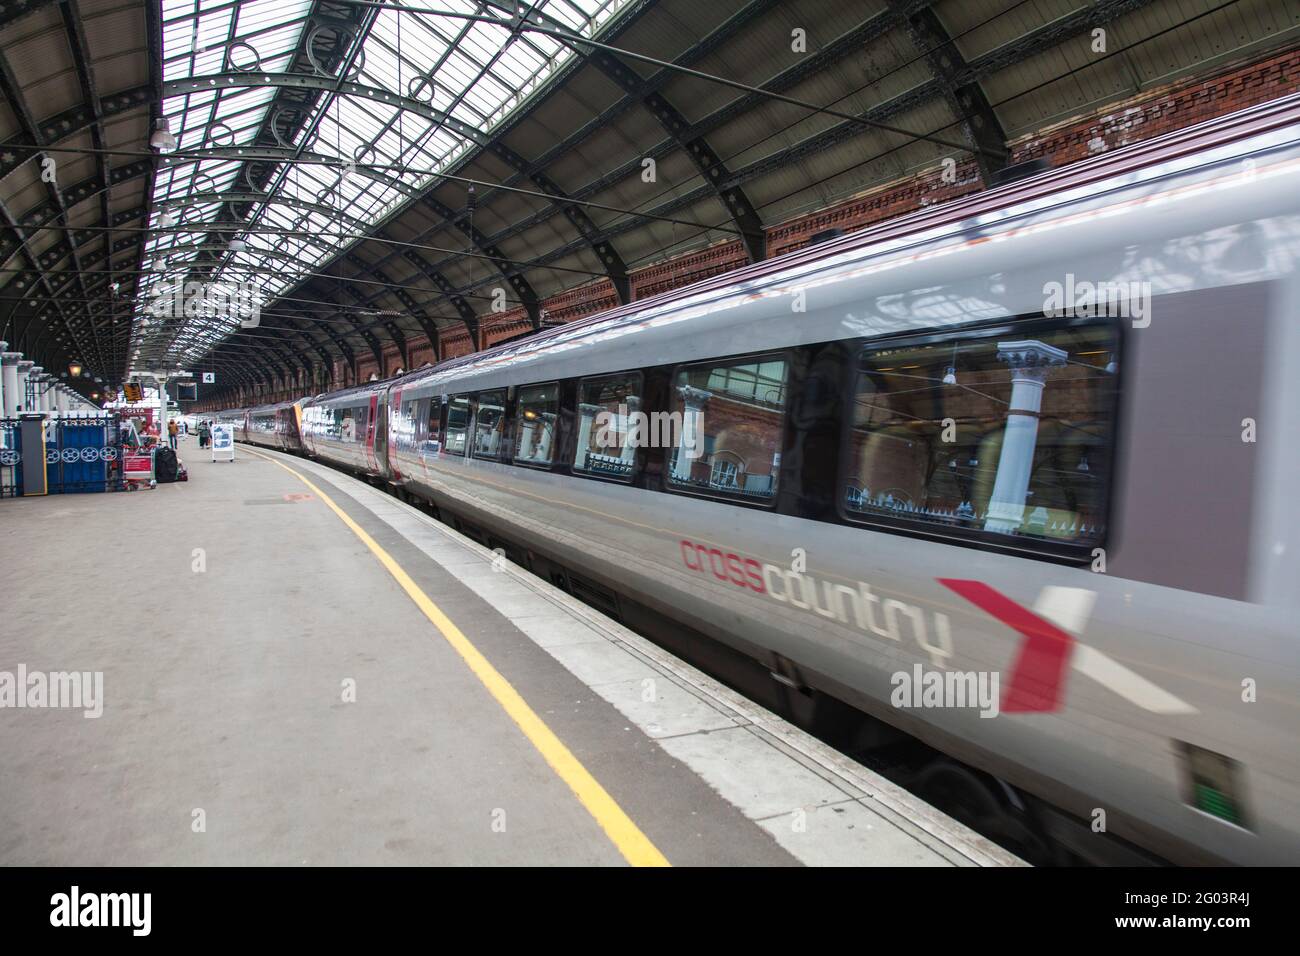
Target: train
1014	476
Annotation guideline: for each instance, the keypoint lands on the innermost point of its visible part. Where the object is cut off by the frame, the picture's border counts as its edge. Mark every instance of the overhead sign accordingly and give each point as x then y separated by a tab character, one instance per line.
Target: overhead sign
209	378
133	391
223	441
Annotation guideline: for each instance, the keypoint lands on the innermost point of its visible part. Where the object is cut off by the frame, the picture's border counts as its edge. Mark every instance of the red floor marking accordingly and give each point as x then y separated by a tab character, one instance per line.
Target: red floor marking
1038	677
297	497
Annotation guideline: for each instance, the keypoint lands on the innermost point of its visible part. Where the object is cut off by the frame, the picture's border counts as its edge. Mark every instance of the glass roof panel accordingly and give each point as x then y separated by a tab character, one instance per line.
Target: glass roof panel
477	72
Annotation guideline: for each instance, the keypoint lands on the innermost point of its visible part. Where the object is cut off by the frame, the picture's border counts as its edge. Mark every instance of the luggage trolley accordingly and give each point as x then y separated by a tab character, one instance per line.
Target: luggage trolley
138	468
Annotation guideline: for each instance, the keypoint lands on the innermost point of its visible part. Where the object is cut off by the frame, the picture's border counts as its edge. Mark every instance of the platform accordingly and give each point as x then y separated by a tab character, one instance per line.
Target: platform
299	669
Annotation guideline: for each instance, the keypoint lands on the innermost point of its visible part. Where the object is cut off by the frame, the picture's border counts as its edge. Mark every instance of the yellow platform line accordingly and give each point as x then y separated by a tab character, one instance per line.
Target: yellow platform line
625	835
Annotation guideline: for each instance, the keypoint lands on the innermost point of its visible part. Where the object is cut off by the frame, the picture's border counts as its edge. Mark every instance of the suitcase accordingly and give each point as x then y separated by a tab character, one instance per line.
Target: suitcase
165	465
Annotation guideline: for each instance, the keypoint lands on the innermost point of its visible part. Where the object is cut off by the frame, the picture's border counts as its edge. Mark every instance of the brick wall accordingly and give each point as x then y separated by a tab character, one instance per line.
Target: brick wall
1163	110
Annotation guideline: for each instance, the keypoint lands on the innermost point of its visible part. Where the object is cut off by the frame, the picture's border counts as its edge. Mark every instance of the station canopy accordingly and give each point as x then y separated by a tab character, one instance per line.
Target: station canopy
347	179
343	161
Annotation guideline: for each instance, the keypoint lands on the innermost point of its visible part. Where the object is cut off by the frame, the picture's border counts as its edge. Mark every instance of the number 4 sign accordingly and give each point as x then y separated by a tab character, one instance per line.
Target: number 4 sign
209	378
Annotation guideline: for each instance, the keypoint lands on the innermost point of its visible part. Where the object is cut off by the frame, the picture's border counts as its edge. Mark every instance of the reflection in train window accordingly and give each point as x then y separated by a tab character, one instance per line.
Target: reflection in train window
489	423
538	406
607	407
727	420
403	426
433	444
343	427
351	423
457	425
1006	435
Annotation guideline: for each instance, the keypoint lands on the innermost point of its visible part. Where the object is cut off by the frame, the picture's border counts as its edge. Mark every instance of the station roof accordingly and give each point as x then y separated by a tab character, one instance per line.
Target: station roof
374	171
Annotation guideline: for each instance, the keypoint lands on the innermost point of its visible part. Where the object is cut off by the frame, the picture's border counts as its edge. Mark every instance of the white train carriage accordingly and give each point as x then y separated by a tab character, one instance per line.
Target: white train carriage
1035	445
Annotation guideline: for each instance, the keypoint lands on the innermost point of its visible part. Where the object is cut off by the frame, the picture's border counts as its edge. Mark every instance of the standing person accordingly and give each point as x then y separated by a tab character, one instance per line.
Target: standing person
205	433
172	431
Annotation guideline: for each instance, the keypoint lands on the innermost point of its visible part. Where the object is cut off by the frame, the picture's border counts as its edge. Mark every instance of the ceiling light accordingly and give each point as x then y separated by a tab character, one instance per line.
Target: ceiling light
162	138
950	376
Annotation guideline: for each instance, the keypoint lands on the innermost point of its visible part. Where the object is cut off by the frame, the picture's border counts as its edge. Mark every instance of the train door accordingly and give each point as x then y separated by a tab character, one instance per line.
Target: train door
382	433
371	429
395	419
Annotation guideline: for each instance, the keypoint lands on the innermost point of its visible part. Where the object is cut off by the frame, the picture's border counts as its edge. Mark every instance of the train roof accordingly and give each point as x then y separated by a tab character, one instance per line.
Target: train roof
1171	153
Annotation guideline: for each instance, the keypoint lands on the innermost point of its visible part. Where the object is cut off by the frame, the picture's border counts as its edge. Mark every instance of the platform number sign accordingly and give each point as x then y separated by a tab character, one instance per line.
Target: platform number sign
209	378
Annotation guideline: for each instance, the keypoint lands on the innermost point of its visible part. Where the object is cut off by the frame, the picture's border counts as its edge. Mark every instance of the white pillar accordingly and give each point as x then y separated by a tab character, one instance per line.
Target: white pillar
527	428
547	423
9	371
24	373
631	438
692	446
494	434
42	379
588	413
162	410
1030	362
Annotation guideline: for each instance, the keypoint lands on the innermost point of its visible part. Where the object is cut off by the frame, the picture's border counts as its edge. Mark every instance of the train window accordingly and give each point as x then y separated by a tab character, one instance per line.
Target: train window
344	426
403	426
1005	435
489	424
362	418
605	445
428	433
729	420
457	425
433	444
538	406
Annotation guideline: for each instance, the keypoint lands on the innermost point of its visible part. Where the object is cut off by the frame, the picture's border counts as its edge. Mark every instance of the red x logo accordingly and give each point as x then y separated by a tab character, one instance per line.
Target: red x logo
1038	677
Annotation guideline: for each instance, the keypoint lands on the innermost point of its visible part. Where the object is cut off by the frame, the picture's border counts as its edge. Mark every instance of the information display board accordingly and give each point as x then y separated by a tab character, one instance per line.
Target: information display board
223	441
